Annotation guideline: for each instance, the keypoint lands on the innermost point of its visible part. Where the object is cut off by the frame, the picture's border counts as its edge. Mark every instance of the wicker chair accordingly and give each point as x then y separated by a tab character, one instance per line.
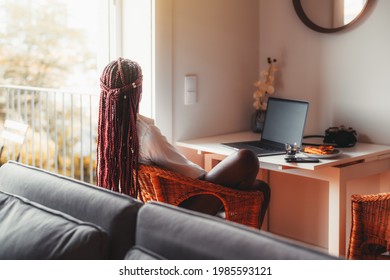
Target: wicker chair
158	184
370	229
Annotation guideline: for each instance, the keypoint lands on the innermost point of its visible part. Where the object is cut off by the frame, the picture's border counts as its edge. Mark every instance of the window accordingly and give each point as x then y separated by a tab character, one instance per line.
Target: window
48	44
52	53
136	42
66	43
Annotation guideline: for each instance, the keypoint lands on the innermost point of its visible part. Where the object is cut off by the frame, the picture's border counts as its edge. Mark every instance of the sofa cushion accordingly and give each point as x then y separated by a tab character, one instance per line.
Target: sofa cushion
31	231
114	212
177	233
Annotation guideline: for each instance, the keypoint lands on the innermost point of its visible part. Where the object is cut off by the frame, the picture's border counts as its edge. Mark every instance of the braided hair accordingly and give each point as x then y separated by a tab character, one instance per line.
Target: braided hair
117	143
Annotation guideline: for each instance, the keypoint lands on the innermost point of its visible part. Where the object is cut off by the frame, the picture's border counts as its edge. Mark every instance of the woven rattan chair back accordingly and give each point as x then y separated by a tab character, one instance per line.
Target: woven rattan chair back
370	228
162	185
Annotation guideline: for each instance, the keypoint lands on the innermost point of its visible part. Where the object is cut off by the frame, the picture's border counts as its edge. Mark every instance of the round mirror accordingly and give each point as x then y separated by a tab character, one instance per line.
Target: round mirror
329	15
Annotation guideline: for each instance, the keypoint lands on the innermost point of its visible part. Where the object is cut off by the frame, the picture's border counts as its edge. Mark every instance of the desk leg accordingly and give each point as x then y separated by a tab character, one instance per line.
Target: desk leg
211	160
337	215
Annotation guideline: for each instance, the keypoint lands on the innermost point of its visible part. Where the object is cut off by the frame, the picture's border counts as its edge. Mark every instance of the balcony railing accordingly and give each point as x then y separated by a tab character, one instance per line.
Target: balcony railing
62	129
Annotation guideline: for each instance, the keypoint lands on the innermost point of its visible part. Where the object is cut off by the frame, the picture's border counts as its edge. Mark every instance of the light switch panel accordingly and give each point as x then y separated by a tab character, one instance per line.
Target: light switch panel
190	89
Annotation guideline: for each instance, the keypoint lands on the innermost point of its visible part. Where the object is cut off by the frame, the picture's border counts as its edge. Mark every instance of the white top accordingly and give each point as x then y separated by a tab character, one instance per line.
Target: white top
154	148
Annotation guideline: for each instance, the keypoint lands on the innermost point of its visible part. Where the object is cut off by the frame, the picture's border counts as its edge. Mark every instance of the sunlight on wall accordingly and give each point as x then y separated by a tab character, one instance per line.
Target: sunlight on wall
137	44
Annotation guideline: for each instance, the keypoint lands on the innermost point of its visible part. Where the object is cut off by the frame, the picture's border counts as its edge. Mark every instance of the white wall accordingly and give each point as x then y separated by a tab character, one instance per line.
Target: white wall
344	76
216	40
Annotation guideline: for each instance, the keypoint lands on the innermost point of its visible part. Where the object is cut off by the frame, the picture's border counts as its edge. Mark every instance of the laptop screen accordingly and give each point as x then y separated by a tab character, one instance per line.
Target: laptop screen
285	121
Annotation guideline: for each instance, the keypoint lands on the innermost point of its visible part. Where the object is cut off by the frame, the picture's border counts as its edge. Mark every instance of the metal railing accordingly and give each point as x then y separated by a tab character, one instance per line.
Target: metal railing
62	129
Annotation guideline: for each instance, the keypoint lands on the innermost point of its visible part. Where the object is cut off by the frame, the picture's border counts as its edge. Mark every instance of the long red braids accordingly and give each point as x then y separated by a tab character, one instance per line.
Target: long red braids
117	143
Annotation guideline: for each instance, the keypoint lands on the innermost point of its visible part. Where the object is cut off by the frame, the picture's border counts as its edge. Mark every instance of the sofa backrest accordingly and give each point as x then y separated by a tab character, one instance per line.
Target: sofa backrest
29	230
176	233
114	212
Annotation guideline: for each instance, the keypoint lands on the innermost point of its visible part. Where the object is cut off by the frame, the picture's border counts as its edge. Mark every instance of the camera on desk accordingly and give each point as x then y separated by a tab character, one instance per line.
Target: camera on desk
340	136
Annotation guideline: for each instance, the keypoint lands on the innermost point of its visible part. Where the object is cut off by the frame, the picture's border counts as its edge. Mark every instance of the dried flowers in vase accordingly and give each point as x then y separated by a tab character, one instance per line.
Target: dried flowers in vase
264	86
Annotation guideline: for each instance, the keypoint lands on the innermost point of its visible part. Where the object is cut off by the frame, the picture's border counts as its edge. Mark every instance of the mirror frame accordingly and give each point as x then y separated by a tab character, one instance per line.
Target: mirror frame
309	23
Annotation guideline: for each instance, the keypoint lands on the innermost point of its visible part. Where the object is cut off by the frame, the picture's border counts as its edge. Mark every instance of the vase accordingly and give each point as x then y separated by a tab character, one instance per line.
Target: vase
257	121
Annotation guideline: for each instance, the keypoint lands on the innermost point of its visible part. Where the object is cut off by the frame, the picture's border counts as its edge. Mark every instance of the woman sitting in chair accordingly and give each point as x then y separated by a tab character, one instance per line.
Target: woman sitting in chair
126	139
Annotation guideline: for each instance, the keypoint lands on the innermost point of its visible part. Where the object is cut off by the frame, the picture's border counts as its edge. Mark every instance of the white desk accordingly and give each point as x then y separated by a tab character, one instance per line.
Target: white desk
360	161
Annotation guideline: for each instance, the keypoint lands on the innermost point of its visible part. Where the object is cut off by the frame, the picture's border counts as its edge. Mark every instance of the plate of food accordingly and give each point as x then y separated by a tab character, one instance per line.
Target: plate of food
323	151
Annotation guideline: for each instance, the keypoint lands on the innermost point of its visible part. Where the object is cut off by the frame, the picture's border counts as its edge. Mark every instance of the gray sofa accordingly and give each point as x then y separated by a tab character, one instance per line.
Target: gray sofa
48	216
110	212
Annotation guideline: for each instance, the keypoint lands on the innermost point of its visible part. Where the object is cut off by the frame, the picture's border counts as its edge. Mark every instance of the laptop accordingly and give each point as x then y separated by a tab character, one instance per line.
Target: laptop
284	123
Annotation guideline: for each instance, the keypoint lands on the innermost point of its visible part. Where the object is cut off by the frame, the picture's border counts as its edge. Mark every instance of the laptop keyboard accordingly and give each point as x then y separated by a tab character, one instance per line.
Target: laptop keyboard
255	146
264	147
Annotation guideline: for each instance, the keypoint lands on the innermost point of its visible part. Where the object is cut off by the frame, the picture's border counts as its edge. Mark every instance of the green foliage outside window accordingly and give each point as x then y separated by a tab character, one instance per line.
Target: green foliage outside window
41	46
